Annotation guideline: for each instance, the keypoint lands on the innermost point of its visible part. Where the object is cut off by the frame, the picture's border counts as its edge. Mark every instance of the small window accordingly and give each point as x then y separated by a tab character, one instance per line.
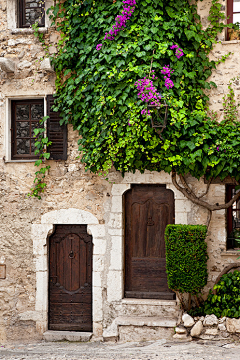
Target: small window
30	12
25	117
233	12
233	218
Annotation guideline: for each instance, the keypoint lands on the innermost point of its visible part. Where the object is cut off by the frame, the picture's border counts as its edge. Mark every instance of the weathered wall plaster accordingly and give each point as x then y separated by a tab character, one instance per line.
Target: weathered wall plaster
26	223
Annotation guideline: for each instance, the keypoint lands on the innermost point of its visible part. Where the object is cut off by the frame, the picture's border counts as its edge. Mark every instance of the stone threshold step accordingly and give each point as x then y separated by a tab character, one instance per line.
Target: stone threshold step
150	302
145	321
52	335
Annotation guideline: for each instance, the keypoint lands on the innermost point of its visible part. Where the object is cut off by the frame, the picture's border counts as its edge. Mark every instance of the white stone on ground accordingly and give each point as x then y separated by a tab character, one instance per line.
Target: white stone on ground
187	320
222	320
210	320
221	327
180	330
233	325
197	329
211	331
182	337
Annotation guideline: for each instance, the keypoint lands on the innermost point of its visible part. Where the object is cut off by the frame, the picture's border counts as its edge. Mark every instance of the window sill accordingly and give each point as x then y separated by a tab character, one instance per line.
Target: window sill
28	31
230	42
231	252
20	161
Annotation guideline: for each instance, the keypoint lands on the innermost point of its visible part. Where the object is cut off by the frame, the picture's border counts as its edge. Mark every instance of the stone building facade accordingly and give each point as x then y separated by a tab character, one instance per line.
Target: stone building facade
76	197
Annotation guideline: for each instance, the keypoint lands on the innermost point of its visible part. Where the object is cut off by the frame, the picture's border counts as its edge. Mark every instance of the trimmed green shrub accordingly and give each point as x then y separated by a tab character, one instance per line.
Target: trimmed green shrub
186	257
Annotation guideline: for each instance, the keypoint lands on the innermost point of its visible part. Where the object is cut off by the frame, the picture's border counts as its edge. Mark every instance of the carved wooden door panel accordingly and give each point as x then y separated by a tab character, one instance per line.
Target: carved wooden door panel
148	210
70	279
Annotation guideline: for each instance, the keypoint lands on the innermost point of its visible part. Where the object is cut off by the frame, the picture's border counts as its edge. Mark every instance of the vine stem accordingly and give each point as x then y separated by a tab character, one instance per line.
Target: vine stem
186	191
180	297
151	64
189	301
196	300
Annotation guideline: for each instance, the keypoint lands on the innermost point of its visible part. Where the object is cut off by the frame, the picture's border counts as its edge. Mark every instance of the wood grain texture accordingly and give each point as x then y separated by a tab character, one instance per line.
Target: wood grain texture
56	133
70	279
148	210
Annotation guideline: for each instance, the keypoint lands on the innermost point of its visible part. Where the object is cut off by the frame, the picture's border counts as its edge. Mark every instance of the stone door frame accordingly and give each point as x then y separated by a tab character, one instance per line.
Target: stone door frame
115	225
40	235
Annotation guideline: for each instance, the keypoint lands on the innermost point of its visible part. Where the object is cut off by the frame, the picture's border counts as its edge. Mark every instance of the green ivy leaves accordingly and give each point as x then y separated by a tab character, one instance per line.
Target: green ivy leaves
96	91
41	145
226	301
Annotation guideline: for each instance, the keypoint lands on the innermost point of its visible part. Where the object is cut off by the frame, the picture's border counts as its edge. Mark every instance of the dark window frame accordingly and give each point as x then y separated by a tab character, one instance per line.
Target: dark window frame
230	13
21	15
231	225
14	121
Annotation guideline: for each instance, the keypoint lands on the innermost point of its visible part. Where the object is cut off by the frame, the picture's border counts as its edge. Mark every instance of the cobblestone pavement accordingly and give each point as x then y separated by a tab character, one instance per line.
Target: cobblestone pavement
157	350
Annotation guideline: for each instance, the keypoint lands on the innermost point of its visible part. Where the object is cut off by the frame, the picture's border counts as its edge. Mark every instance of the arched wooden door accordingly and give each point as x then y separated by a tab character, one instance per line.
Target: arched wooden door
148	210
70	279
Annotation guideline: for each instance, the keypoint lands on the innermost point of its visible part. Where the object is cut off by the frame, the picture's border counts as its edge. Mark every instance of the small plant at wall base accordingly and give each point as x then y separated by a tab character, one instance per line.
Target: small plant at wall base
186	260
226	299
41	145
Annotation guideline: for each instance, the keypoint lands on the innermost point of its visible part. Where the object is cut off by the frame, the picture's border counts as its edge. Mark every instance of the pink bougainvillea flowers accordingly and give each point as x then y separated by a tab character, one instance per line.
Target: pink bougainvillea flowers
121	20
98	47
167	71
179	52
147	92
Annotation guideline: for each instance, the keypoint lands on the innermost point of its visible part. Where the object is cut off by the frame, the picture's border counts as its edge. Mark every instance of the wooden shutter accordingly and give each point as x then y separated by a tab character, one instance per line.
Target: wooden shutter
56	134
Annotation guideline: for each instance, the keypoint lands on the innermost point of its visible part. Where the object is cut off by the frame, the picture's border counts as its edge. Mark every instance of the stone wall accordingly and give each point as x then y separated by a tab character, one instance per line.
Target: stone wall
69	186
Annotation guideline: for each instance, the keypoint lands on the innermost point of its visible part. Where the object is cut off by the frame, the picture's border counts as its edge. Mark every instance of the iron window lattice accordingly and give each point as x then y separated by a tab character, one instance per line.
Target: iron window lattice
233	218
25	117
30	12
159	116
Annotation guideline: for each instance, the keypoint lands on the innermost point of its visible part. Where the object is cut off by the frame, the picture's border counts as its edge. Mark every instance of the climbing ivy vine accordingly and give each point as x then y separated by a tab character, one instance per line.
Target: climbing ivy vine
97	71
97	93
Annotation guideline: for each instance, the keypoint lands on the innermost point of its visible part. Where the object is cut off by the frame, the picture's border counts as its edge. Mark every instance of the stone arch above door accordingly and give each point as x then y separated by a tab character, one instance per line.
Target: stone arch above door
40	235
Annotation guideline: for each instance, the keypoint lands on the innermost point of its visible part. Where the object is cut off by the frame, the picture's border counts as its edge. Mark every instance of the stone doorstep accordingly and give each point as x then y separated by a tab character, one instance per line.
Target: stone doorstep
149	302
112	332
145	321
52	335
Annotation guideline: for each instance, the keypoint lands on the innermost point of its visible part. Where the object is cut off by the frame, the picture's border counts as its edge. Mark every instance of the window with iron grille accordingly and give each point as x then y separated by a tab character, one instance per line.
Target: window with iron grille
233	13
233	218
25	115
30	12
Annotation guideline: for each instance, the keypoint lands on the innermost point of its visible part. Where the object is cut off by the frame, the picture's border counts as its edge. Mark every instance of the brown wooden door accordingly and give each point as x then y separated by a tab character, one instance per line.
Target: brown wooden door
148	210
70	279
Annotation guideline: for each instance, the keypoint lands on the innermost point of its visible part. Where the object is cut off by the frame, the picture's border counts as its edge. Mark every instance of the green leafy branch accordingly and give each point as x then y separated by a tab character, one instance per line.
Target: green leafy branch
96	92
41	145
40	37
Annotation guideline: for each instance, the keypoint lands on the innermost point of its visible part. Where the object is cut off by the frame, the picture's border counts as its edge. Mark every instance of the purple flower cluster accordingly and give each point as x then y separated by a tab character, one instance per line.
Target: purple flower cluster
167	71
147	92
121	20
144	112
179	52
98	47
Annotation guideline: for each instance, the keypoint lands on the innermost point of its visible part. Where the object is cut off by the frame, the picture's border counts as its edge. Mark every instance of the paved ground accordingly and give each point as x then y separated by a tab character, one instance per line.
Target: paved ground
157	350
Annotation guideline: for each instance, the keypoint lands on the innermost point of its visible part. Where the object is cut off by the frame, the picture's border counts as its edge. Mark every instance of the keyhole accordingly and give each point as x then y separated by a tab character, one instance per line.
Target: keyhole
71	255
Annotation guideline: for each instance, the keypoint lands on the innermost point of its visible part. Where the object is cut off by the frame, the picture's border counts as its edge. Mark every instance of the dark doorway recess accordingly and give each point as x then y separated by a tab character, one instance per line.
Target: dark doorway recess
70	279
148	210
